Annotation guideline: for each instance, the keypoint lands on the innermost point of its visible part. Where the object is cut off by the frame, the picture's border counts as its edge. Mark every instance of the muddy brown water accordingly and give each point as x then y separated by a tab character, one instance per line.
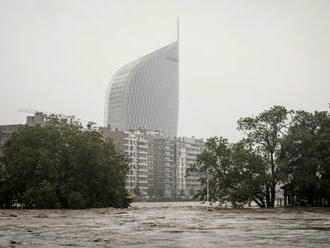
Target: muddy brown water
175	224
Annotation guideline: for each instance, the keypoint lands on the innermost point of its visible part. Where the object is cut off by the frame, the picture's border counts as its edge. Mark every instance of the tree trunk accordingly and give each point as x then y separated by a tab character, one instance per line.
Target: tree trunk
268	197
272	196
273	184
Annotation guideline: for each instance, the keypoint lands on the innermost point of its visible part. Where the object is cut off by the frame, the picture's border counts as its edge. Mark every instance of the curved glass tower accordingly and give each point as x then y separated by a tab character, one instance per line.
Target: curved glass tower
144	94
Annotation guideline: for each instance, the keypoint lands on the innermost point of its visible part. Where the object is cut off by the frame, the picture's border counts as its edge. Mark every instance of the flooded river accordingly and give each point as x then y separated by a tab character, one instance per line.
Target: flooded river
165	225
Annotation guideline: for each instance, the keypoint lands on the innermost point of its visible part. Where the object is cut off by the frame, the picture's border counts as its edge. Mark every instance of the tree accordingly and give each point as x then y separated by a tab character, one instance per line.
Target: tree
234	171
305	153
62	165
265	133
322	147
280	147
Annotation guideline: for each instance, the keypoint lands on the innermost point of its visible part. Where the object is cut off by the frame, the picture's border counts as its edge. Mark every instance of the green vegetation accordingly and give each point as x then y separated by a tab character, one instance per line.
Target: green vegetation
62	166
280	148
306	155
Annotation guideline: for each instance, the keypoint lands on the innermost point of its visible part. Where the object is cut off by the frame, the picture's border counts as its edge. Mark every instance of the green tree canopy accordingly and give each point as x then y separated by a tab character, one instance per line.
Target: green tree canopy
236	174
62	166
280	148
249	170
323	152
264	134
306	153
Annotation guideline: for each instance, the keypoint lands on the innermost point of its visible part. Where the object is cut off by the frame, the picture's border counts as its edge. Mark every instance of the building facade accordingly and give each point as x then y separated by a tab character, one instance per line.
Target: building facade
144	94
187	151
158	166
162	150
38	118
136	145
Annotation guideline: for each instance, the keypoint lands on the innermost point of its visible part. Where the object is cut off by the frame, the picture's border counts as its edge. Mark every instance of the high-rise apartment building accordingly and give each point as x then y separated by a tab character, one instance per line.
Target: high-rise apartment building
187	150
136	145
158	163
162	150
144	94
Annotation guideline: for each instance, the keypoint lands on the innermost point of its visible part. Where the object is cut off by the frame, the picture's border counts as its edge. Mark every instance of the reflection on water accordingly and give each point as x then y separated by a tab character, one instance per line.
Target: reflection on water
176	224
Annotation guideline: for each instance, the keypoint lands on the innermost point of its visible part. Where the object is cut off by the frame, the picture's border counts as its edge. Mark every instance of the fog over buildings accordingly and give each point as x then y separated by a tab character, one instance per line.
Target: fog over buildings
236	57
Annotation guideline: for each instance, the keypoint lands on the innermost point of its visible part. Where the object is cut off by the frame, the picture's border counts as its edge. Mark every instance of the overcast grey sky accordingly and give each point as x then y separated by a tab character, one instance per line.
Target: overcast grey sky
237	57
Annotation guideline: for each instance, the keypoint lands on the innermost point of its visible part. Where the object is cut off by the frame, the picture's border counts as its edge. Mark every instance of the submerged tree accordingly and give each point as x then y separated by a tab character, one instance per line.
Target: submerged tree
281	147
249	170
235	173
62	165
212	164
265	134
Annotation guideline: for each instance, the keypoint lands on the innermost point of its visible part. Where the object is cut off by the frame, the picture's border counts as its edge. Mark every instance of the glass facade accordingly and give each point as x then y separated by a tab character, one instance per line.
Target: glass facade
144	94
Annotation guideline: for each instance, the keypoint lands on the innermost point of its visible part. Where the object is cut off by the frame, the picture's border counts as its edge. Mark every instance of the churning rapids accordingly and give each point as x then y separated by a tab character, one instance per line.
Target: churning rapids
177	224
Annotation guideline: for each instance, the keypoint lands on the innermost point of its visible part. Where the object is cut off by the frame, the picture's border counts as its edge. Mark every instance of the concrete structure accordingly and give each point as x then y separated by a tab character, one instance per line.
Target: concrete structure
37	119
159	163
144	94
162	150
135	144
116	136
187	151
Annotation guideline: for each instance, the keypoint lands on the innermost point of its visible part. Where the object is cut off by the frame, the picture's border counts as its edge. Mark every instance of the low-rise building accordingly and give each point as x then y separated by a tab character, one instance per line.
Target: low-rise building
38	118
